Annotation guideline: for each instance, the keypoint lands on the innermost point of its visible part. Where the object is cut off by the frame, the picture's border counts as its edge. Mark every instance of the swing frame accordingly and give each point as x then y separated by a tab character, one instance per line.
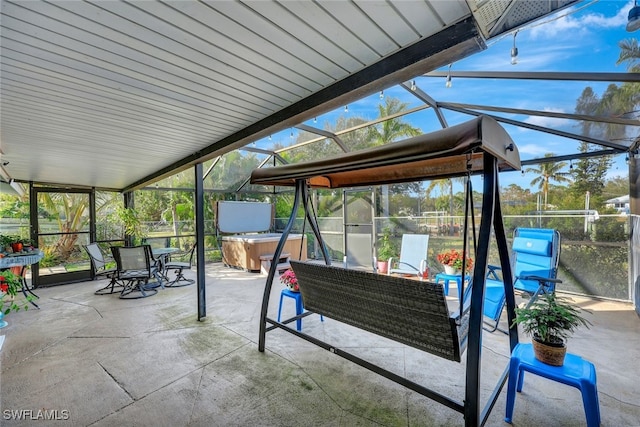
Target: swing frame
479	146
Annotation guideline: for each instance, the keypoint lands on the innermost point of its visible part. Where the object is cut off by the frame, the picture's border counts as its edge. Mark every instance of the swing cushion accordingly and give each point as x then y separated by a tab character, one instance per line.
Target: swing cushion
413	312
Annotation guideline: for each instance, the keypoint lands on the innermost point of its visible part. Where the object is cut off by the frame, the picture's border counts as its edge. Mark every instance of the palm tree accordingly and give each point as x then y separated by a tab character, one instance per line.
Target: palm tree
393	129
547	172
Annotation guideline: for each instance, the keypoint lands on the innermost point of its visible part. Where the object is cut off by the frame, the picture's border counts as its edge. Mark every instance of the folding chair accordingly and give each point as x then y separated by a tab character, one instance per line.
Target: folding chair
535	254
99	268
413	255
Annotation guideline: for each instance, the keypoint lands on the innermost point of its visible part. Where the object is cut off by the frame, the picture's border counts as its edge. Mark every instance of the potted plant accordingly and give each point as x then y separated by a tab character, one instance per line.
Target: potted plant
550	321
452	261
10	284
386	250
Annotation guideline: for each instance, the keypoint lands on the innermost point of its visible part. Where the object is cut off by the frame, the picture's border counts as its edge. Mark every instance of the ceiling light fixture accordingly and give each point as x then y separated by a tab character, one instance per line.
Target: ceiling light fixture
381	94
447	83
315	120
413	86
514	50
346	108
634	18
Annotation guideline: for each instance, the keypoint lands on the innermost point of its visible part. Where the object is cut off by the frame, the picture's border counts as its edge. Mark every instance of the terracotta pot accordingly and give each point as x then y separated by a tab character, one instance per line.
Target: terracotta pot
382	267
549	353
17	247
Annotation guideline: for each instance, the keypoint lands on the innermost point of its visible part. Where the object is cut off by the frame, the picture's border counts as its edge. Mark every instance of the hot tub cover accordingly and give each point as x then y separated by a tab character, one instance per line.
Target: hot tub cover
439	154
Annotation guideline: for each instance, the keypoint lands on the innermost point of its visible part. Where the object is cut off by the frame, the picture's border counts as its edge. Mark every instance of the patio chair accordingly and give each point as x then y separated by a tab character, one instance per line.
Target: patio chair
535	254
413	255
134	271
178	267
100	269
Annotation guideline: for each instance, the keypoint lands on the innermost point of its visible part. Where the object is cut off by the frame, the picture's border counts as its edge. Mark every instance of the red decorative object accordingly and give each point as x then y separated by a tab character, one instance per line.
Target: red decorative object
453	258
290	280
17	247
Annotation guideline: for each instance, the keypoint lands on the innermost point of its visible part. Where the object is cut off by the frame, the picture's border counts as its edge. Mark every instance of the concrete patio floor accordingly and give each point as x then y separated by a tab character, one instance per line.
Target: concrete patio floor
92	360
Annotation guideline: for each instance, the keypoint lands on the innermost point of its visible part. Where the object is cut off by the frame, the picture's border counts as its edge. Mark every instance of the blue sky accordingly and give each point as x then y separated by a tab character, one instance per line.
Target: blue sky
583	38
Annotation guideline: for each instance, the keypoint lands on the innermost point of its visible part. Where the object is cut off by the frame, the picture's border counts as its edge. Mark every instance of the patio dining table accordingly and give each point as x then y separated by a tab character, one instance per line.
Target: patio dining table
161	255
22	260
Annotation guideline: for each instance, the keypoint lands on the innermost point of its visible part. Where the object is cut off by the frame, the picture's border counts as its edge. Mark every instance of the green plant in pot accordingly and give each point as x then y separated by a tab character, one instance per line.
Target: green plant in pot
550	321
386	250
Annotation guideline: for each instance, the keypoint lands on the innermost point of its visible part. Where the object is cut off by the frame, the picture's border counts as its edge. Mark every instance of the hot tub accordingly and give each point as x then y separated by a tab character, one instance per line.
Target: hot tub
244	250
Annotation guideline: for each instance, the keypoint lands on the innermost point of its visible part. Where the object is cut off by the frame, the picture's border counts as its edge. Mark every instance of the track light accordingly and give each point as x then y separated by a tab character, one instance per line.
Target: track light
634	18
514	50
413	85
447	83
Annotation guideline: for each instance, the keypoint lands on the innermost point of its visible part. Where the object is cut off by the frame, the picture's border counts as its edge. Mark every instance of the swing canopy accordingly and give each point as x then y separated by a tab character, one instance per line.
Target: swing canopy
453	151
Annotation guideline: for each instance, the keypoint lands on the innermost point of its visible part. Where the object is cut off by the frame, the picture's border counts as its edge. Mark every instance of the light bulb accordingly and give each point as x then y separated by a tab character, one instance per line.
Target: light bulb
413	85
381	94
346	108
447	83
315	120
514	50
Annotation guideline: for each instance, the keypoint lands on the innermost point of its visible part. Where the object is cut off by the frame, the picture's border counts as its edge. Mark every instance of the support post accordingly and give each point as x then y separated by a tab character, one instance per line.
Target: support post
472	389
299	194
199	208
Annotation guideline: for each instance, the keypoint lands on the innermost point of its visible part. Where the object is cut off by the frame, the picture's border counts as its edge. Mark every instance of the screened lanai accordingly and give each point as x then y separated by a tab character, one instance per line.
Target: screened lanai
148	113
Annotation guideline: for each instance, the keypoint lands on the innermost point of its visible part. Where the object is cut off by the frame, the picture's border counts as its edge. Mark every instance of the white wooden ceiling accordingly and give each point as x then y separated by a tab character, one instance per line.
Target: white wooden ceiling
115	94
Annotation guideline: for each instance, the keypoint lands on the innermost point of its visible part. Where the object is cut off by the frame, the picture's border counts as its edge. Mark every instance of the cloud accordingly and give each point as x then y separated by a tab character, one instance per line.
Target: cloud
535	150
565	23
550	122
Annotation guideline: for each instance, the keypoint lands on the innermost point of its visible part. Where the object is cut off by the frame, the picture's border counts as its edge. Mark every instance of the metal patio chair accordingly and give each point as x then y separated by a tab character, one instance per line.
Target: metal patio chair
178	267
134	271
100	269
413	255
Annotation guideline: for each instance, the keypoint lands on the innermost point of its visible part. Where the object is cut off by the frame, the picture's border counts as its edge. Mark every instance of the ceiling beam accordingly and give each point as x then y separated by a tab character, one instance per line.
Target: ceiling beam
612	120
575	136
532	75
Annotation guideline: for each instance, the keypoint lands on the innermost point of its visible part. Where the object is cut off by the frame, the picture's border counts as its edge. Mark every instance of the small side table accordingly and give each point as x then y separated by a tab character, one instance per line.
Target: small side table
297	297
446	278
575	372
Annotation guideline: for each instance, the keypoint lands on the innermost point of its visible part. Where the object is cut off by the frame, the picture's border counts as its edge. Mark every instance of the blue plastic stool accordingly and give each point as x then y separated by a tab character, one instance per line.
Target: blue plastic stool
446	278
299	308
576	372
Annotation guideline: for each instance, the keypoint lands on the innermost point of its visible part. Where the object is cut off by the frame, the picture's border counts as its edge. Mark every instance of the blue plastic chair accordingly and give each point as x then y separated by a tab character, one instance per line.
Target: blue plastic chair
535	254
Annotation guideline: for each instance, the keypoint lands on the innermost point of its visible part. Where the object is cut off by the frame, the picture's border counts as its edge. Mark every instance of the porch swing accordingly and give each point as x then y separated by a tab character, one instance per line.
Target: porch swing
408	311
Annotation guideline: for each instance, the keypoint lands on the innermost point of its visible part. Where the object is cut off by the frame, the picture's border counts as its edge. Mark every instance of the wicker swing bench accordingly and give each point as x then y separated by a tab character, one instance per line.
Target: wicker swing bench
409	311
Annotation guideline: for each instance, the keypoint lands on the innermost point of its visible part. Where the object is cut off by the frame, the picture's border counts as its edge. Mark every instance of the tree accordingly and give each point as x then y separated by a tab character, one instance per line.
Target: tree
589	173
392	129
546	172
